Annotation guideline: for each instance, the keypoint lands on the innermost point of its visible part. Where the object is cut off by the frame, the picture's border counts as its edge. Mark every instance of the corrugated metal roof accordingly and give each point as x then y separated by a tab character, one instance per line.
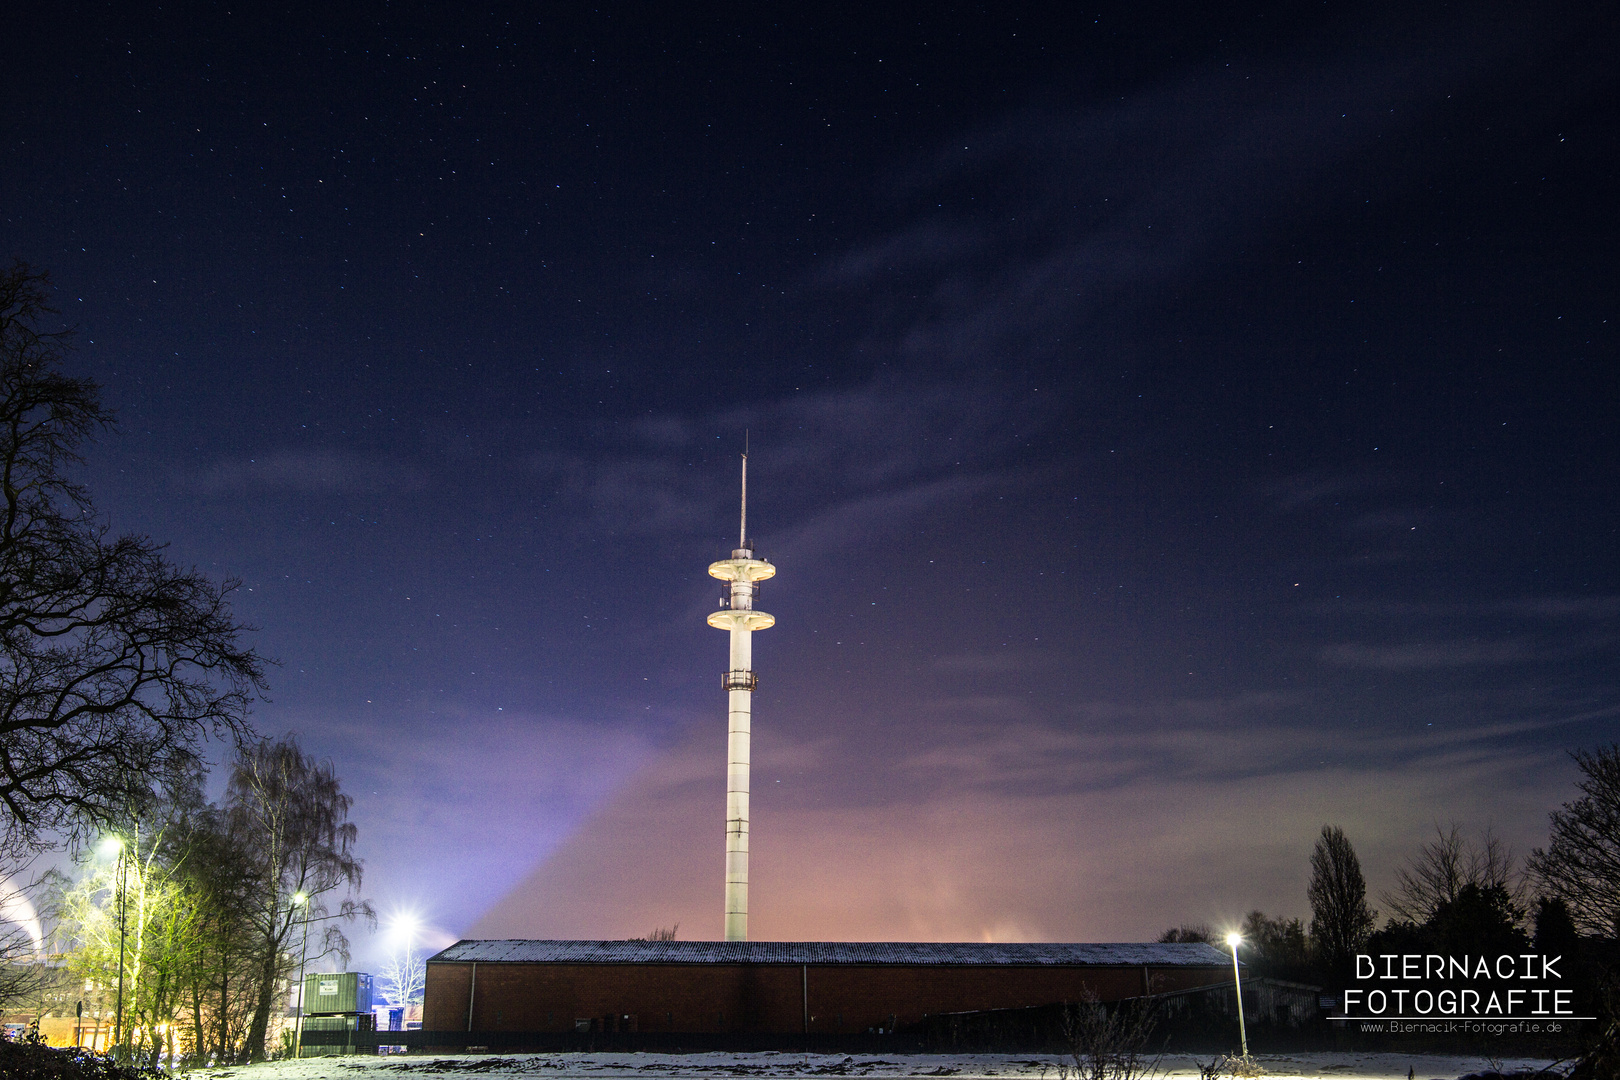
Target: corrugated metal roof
522	951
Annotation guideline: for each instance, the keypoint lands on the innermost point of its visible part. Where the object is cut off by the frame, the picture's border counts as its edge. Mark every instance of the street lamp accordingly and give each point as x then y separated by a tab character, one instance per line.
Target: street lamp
302	899
1235	940
403	928
113	847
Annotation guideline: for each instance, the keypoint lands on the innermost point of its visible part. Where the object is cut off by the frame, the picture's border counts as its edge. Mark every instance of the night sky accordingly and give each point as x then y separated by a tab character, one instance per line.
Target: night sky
1175	429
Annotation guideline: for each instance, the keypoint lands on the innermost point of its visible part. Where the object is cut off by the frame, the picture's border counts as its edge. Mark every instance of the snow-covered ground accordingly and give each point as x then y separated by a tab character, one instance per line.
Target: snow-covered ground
778	1066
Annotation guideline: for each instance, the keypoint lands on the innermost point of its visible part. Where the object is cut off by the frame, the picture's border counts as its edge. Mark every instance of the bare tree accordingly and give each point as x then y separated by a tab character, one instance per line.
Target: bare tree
127	919
115	665
1108	1042
403	975
290	815
221	873
1581	864
1340	918
1440	870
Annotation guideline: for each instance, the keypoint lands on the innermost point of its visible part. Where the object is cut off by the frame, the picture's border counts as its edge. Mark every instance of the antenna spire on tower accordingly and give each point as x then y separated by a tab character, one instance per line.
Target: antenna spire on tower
742	533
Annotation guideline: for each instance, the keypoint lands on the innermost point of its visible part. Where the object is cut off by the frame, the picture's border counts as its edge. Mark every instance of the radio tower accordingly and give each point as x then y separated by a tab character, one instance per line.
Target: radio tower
738	615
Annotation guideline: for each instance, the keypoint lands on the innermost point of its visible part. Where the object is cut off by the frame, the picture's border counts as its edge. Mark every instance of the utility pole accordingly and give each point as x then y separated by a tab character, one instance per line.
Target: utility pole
303	955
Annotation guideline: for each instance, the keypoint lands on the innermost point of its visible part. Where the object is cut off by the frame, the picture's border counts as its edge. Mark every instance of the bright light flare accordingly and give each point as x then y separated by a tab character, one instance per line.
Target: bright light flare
1234	940
16	909
110	846
403	927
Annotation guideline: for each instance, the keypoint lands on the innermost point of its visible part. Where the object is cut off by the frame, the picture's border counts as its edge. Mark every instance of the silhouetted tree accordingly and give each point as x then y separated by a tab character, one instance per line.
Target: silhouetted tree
115	665
1187	932
1481	919
220	872
1555	933
1581	864
1340	918
290	815
1437	874
1276	947
1397	936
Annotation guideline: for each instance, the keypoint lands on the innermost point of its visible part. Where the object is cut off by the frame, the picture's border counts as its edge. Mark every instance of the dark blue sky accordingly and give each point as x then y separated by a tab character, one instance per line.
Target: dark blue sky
1175	429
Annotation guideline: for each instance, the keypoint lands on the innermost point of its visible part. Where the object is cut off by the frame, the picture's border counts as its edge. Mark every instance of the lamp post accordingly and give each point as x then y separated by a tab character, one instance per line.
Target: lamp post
404	928
114	846
301	899
1235	940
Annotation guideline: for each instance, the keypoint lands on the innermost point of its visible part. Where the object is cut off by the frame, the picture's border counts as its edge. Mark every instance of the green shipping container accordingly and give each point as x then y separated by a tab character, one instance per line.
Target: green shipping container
362	1022
343	992
351	1024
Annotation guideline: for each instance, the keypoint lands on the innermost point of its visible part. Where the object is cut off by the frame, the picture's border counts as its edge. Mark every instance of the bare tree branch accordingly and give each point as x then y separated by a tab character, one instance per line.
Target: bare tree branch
1581	863
115	665
1444	866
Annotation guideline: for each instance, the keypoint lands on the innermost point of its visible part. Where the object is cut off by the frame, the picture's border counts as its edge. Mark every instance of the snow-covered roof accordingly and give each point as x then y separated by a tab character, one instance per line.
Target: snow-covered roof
1041	954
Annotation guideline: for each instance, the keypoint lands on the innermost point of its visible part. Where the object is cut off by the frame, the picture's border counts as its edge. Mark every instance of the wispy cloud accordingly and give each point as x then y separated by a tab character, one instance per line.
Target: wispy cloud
1314	489
1417	656
1545	608
1004	744
627	494
1114	195
304	471
1003	662
1562	607
922	245
844	456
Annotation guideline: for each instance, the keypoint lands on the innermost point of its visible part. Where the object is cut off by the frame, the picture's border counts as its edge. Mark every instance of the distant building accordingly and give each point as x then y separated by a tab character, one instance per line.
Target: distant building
781	987
398	1017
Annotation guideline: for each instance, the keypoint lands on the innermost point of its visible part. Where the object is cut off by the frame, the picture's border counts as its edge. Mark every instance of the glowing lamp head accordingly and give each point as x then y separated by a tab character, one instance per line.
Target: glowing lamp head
1234	940
403	927
300	898
110	846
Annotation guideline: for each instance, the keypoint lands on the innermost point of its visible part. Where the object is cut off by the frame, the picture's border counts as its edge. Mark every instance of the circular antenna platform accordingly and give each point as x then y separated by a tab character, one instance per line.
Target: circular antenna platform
730	619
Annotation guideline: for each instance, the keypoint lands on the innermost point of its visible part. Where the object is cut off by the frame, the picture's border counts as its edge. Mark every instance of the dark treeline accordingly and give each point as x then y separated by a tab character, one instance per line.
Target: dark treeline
1455	895
1458	897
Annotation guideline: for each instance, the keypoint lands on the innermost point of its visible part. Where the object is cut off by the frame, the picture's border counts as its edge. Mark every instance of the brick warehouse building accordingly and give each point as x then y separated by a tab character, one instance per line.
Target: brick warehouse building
780	988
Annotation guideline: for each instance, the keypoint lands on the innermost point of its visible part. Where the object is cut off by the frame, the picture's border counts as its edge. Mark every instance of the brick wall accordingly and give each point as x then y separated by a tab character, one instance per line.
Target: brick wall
762	997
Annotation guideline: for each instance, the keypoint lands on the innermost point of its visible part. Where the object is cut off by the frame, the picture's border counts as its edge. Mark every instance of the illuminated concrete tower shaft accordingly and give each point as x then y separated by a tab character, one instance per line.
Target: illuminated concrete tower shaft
737	613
